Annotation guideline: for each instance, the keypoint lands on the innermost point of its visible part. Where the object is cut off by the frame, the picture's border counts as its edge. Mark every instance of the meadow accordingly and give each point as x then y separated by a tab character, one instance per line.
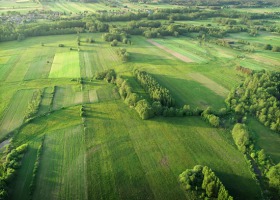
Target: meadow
103	150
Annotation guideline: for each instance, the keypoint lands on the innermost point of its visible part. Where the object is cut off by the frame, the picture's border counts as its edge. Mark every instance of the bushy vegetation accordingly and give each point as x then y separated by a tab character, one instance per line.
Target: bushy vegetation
123	54
34	104
9	168
108	75
203	183
212	119
259	96
241	137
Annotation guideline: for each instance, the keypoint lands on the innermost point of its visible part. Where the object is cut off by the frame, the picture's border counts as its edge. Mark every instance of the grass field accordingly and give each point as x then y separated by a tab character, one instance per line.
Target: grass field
63	171
117	155
65	65
126	158
15	112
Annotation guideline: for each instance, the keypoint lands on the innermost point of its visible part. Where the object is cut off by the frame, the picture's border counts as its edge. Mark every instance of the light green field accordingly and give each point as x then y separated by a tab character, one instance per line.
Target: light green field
259	10
65	65
18	6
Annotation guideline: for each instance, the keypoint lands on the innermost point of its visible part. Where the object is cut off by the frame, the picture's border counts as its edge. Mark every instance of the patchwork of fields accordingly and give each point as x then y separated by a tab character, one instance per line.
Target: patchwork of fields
103	150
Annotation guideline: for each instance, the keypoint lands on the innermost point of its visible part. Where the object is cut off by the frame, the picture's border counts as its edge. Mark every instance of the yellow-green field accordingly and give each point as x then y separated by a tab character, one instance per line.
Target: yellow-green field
65	65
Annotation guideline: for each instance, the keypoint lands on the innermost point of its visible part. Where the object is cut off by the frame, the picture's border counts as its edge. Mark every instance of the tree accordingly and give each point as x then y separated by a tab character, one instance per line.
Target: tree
144	109
114	43
267	47
274	178
241	136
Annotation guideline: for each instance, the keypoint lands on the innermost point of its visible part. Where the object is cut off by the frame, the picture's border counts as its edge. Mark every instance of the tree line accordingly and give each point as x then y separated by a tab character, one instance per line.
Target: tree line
11	164
264	171
202	183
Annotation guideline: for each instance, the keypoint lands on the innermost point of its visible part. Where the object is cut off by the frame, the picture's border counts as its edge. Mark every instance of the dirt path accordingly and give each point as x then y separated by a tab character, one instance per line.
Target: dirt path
173	53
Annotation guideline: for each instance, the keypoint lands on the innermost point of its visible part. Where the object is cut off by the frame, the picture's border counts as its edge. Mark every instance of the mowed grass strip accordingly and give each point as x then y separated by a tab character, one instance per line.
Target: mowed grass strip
65	65
41	64
62	173
7	66
15	113
66	96
128	158
21	66
45	104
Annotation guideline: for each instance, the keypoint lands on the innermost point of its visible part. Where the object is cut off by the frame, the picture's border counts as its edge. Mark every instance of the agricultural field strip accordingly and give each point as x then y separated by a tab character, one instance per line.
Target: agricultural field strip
7	67
24	175
210	84
14	114
21	66
62	173
66	96
186	48
65	65
175	54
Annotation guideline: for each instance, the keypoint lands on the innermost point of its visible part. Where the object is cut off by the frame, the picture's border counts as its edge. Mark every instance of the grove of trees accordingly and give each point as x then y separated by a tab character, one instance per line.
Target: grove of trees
202	183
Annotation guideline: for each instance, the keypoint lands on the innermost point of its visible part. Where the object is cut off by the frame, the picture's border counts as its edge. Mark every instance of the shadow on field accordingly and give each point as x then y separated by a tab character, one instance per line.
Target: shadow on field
235	185
190	92
151	59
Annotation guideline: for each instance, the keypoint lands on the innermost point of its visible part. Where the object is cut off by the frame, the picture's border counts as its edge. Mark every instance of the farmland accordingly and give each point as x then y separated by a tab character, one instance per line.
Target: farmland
71	89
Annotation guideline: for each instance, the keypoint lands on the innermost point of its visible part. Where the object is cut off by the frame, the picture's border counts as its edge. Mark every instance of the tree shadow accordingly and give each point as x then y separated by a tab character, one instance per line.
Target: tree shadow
190	92
240	187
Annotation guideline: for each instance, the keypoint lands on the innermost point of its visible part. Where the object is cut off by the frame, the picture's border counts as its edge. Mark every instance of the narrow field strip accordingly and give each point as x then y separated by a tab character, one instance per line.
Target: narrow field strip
62	172
45	104
21	66
41	65
210	84
175	54
15	113
66	96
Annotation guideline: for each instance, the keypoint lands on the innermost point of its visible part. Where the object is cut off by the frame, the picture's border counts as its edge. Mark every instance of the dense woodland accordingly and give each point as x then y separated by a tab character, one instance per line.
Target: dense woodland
259	96
16	26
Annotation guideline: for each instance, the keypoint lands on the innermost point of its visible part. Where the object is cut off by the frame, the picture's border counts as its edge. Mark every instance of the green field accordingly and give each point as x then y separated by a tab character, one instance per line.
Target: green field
134	158
109	152
65	65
